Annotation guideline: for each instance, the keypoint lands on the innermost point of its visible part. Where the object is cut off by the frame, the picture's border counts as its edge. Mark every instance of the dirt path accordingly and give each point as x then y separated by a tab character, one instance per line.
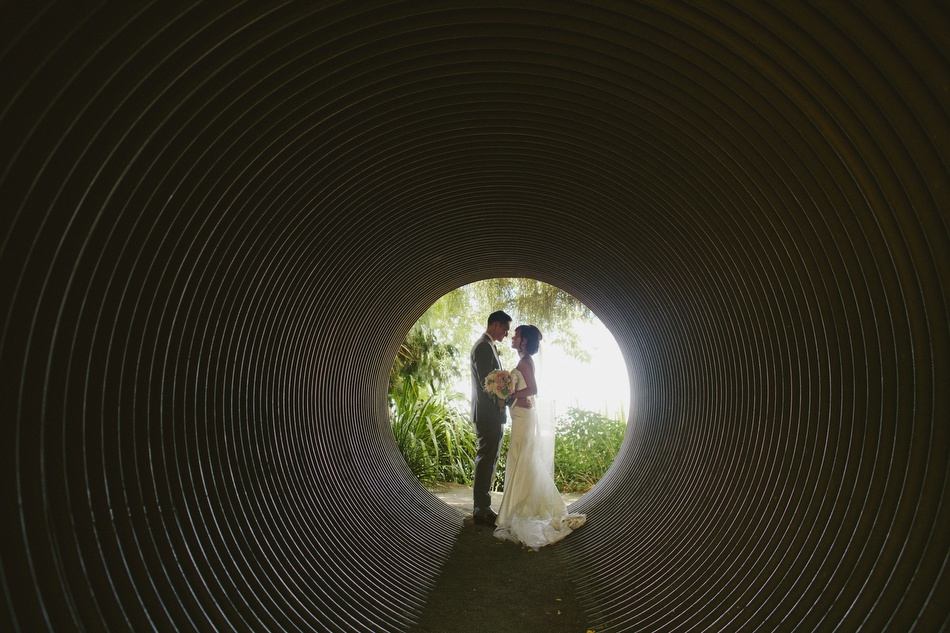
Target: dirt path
460	497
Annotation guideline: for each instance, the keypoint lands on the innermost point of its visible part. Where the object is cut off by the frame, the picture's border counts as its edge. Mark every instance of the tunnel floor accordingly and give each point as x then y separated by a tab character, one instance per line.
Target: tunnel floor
493	585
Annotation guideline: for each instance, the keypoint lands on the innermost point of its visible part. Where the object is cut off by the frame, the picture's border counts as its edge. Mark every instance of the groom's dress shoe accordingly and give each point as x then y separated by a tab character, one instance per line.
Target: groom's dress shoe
485	519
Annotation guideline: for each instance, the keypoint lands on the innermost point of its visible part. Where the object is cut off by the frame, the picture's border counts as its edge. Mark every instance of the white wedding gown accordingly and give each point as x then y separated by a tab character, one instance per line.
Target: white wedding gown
532	511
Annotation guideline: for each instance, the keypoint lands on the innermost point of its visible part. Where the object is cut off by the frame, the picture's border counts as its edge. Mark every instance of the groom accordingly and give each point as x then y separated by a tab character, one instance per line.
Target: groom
488	417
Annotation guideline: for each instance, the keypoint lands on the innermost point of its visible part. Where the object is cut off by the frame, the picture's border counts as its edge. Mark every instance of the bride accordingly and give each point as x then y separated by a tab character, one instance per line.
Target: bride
532	511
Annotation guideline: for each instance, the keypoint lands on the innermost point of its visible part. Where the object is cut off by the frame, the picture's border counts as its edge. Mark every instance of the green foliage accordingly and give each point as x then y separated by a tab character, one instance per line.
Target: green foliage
424	359
434	436
586	444
431	429
461	315
499	484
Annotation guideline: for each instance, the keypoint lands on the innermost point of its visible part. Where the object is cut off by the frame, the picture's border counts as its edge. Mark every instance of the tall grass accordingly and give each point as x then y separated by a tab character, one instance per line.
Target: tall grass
433	433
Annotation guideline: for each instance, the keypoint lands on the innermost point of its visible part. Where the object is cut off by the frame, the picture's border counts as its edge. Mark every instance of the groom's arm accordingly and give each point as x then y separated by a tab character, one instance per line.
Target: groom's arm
483	361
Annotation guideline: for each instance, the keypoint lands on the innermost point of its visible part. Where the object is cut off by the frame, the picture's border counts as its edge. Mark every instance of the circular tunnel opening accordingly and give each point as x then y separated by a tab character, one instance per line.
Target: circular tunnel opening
583	385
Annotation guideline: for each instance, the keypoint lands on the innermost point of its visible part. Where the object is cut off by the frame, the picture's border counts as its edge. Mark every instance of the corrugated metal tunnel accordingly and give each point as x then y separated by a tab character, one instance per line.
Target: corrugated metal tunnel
221	219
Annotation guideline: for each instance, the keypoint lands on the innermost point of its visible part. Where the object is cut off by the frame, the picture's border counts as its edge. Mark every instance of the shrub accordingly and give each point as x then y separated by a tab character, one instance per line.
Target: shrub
586	444
435	438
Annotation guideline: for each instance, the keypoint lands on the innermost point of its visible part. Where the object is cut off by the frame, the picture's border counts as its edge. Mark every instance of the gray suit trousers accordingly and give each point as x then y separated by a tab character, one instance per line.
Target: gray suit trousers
490	436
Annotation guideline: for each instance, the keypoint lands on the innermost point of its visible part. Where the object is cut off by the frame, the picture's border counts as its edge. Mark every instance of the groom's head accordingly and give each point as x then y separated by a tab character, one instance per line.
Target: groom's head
498	325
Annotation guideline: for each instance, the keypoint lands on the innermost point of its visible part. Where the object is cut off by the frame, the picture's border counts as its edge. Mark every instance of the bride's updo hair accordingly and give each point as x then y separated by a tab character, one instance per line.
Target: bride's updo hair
531	337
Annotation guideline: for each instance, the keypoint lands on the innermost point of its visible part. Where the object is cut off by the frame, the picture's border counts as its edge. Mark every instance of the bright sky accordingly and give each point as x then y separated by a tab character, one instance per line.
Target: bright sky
601	385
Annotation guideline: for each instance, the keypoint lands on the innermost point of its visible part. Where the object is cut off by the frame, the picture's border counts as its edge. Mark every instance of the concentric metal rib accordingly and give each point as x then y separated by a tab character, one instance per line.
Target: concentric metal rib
219	223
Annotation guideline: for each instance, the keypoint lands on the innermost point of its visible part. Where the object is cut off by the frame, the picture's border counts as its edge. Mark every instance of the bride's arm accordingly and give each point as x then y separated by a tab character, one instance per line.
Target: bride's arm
531	386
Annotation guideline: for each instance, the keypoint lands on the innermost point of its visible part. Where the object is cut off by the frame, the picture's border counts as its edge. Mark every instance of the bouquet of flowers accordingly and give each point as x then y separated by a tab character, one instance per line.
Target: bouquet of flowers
498	384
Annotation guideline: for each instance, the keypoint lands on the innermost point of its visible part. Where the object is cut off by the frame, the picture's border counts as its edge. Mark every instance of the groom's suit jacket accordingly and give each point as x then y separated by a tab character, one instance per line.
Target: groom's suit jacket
484	359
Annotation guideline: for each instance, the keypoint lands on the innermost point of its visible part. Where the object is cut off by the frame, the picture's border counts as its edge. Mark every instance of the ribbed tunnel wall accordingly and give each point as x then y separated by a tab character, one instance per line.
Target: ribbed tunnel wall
219	221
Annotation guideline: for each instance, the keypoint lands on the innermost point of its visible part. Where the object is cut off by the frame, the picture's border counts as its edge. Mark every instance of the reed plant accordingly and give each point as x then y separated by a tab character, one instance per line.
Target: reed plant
433	434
